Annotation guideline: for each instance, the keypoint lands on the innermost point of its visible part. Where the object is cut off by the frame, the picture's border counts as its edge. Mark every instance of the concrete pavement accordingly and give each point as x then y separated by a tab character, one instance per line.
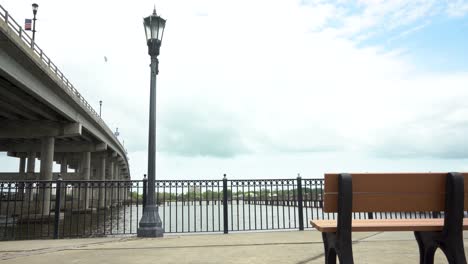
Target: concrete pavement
268	247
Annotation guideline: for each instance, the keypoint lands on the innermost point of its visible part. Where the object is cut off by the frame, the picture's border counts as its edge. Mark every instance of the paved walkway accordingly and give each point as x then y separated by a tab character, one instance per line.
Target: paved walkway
268	247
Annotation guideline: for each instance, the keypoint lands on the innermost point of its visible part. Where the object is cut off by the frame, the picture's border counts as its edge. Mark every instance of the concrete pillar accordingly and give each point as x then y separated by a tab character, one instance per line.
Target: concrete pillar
102	176
85	175
22	177
22	167
30	175
47	159
63	165
113	197
63	171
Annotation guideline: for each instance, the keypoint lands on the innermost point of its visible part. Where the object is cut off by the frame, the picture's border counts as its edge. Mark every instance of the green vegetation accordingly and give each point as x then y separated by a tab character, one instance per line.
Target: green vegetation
262	194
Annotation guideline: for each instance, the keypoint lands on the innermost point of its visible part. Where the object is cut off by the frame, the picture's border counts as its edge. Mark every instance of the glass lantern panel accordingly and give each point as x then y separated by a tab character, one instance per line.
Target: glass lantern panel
147	25
154	27
162	24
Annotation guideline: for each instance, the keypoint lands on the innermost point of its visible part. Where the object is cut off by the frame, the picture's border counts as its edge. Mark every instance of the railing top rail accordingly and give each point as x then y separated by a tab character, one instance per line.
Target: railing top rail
24	36
283	179
157	181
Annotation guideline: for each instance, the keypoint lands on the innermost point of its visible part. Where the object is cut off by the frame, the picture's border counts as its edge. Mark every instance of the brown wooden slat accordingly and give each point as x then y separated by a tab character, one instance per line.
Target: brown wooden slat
393	182
391	202
392	192
378	225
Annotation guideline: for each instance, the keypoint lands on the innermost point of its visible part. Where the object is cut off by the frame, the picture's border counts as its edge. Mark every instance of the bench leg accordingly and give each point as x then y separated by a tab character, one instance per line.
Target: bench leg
329	240
333	247
454	250
427	246
428	243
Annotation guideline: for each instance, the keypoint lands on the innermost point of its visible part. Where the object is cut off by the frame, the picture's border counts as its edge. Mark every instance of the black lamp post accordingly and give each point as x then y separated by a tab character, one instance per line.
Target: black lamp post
100	107
34	8
150	223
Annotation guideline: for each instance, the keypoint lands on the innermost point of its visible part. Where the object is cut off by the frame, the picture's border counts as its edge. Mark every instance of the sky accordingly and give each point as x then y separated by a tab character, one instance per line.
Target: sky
271	88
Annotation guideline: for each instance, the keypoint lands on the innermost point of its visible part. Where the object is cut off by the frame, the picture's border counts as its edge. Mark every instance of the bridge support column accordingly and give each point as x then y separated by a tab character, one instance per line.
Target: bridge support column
30	175
117	175
47	159
114	186
102	176
63	171
85	175
22	173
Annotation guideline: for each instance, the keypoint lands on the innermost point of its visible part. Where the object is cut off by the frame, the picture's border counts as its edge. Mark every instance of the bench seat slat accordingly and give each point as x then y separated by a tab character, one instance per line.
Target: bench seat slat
376	225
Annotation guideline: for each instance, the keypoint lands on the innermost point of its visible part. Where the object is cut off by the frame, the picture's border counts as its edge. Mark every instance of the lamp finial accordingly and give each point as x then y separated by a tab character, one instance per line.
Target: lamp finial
154	10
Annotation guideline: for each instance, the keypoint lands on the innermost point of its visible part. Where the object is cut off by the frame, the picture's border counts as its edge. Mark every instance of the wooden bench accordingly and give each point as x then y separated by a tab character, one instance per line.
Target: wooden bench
397	192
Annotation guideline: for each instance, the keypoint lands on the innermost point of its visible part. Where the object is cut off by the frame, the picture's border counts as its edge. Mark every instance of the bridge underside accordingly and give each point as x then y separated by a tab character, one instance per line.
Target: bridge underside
42	116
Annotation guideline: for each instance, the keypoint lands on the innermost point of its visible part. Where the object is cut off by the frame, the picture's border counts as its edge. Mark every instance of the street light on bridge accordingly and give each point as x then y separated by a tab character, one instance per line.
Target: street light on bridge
100	107
34	8
150	223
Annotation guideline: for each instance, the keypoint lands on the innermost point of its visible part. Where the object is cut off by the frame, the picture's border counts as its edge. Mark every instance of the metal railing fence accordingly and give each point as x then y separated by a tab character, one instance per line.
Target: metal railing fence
70	209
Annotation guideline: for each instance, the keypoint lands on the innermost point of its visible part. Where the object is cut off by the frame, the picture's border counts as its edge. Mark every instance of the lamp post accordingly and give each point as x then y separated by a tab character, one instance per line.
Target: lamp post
34	8
150	224
100	107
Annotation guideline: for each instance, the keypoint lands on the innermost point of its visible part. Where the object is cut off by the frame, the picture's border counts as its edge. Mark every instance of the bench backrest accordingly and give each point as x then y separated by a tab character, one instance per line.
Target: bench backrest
392	192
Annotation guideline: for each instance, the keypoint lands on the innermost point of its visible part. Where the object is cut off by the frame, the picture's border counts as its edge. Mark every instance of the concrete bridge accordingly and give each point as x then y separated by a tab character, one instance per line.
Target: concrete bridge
43	117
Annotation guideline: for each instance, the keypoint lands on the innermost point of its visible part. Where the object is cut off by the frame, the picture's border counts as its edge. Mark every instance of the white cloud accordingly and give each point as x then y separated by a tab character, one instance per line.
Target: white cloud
457	8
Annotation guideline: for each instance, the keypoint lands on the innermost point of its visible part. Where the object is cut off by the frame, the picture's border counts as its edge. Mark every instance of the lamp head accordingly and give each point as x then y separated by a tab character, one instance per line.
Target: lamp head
34	8
154	31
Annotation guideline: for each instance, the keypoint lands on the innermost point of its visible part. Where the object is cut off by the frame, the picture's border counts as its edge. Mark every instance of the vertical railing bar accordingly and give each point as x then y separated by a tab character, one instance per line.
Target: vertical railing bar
265	183
277	206
272	206
23	197
243	205
91	188
71	207
111	202
232	204
58	195
300	203
206	204
14	229
176	207
106	185
201	206
36	200
225	205
49	184
170	207
249	205
219	208
7	206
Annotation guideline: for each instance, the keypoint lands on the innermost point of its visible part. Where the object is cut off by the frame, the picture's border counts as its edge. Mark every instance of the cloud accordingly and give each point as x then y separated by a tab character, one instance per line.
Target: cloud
196	131
435	125
366	19
457	8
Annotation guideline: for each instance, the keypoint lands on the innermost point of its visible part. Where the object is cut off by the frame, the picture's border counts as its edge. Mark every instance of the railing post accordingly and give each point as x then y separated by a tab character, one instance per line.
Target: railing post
225	204
145	184
300	202
58	187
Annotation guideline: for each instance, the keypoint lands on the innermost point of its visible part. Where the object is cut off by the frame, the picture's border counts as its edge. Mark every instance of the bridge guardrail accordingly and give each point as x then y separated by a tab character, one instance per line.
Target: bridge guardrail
22	34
